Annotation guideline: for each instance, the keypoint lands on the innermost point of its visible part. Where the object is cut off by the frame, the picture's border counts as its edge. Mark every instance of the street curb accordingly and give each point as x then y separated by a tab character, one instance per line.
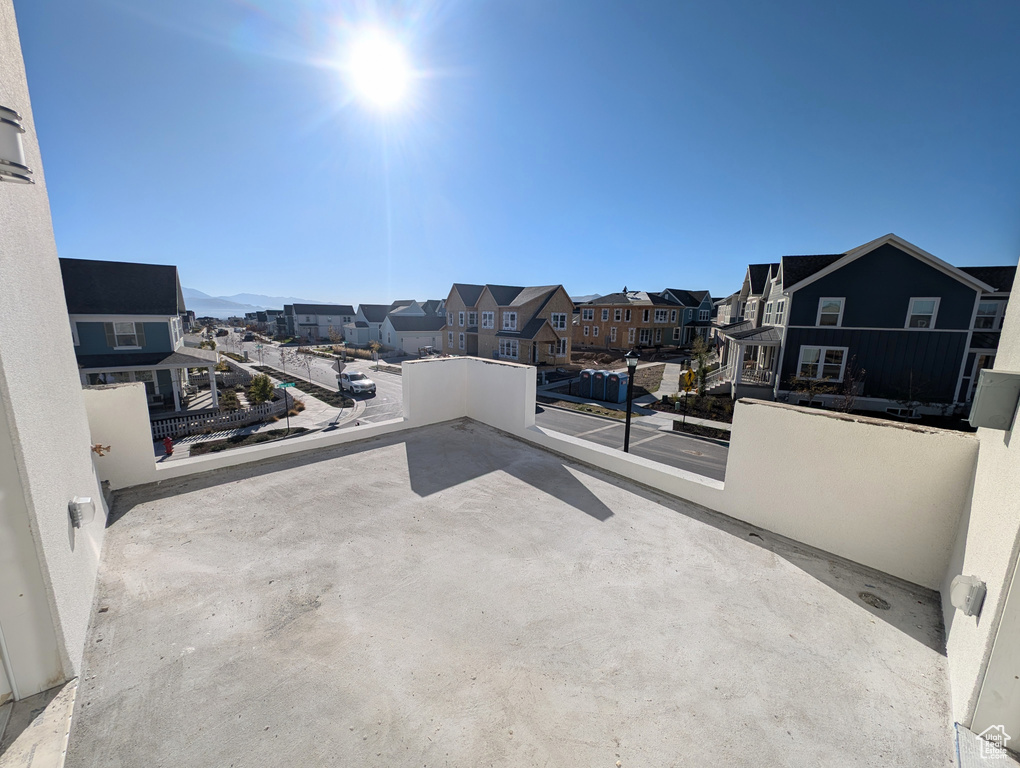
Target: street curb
723	443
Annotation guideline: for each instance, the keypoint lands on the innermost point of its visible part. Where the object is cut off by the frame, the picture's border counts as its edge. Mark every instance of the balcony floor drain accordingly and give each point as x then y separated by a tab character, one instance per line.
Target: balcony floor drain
874	600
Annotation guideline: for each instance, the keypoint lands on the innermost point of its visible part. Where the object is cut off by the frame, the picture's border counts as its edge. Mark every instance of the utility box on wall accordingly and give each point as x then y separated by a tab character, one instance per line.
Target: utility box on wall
995	400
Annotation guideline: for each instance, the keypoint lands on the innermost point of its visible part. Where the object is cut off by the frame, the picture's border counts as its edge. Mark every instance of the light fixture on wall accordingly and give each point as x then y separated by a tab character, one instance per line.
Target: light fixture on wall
82	510
12	153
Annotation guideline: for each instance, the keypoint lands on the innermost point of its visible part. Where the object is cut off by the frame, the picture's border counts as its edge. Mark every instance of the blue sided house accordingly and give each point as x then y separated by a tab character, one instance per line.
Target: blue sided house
126	325
887	324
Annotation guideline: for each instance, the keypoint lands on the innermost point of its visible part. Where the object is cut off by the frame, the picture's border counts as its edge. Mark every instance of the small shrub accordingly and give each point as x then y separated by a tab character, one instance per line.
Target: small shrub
260	390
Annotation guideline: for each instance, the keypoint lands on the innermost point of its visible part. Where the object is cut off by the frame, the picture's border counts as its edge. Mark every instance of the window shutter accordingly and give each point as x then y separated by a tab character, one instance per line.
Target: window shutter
111	340
140	334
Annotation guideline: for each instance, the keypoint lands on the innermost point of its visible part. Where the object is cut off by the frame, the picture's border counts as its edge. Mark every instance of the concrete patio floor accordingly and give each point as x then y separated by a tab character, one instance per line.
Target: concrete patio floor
451	596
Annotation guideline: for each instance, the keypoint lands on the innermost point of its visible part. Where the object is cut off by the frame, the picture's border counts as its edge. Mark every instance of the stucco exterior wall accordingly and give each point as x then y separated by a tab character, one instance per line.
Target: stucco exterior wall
40	394
986	547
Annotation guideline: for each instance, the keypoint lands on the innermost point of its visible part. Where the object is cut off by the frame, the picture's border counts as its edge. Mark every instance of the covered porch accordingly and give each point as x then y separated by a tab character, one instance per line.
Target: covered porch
749	359
172	382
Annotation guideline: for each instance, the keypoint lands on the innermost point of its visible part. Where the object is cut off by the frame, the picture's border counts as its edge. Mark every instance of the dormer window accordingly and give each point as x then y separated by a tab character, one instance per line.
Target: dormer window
509	321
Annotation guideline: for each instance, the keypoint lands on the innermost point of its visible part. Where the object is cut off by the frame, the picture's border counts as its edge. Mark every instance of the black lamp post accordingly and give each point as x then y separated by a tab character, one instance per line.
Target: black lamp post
631	358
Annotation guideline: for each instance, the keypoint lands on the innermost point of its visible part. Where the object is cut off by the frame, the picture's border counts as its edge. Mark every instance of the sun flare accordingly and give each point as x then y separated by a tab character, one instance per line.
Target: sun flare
379	70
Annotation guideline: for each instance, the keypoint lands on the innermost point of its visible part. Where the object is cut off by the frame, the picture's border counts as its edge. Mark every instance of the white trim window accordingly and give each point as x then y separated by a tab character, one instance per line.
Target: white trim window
558	320
605	315
612	334
626	315
449	318
460	319
488	319
672	316
616	314
644	316
508	348
630	334
472	319
450	338
658	335
768	314
662	315
923	311
830	311
176	330
780	311
646	335
586	329
510	321
460	340
676	333
595	331
125	335
704	314
825	363
989	316
587	313
563	347
74	333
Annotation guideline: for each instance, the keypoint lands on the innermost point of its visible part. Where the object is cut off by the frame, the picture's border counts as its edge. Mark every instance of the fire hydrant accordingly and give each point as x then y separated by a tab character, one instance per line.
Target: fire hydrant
168	446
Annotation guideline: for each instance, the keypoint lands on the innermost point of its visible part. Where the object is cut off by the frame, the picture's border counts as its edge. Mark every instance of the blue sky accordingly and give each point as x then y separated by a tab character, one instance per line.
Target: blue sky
593	144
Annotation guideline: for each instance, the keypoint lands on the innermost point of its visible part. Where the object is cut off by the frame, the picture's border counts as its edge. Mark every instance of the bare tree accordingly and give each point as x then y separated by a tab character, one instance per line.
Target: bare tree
810	389
851	387
700	352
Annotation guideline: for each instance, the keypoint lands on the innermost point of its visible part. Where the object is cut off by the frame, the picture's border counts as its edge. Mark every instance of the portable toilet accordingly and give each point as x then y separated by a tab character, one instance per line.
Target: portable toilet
584	390
598	385
616	387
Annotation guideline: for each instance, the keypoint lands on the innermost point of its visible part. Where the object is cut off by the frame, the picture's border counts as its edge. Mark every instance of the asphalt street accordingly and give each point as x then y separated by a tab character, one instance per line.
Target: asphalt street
699	456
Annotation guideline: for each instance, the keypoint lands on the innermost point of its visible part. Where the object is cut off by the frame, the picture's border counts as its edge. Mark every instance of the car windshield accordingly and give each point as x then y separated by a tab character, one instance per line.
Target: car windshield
357	376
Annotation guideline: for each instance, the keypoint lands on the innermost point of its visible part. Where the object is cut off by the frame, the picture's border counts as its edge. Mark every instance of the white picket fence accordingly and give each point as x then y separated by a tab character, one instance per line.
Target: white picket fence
190	424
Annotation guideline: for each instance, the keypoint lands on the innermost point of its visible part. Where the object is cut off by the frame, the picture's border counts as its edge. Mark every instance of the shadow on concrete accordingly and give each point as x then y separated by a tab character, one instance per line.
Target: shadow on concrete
912	609
23	714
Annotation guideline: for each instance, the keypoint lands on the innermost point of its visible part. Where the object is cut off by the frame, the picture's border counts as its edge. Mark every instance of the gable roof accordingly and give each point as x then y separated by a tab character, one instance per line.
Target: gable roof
323	309
407	309
909	248
630	297
374	313
401	303
1000	278
431	307
533	292
121	288
797	268
687	298
469	292
504	295
411	323
759	274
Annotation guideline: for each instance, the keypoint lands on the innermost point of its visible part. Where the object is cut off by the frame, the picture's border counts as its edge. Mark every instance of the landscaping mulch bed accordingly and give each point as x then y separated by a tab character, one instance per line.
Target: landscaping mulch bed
233	356
583	408
239	441
328	396
700	431
712	407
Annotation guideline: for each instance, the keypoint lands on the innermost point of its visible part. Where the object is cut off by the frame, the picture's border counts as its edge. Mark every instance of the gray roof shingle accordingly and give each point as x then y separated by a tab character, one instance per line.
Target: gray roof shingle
120	288
797	268
323	309
469	292
411	323
1000	278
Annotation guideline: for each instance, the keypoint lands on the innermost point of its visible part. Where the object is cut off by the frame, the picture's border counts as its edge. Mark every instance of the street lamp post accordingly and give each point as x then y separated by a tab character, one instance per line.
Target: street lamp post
631	358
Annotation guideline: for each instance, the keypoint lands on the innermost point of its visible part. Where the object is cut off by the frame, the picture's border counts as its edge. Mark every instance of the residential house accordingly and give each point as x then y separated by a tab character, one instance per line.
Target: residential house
526	324
126	324
887	320
696	316
642	319
415	327
317	322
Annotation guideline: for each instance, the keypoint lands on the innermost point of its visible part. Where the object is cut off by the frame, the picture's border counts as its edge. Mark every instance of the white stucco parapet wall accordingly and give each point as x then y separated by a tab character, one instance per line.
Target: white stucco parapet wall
876	492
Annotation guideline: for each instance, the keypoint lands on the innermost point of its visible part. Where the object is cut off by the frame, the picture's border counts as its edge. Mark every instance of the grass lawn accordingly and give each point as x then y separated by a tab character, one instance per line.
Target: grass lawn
239	441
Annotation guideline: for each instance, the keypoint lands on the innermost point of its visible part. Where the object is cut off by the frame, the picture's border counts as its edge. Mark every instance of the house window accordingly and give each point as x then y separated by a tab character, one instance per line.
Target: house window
74	334
450	339
988	315
780	311
830	312
460	340
508	348
658	335
559	320
704	314
630	334
672	316
308	318
125	335
594	330
510	321
586	330
605	315
612	334
822	363
449	318
676	334
563	346
472	319
662	315
626	315
922	312
768	314
644	316
616	314
460	319
646	335
588	314
488	320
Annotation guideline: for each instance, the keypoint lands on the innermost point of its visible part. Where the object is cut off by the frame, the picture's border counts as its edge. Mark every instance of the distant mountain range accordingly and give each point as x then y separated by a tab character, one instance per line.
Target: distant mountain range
202	304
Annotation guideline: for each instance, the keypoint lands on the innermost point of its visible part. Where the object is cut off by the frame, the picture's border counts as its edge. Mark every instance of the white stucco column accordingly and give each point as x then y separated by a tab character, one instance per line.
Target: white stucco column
176	388
212	387
739	373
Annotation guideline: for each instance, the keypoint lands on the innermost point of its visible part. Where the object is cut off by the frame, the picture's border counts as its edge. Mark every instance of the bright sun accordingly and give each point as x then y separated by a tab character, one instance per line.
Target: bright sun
379	69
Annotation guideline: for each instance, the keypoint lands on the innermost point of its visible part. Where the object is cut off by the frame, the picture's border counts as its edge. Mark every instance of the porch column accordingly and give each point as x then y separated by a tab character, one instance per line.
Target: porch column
177	390
212	386
739	360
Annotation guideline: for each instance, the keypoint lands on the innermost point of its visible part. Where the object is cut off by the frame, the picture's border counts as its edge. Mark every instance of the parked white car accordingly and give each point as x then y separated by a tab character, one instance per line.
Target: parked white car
356	383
